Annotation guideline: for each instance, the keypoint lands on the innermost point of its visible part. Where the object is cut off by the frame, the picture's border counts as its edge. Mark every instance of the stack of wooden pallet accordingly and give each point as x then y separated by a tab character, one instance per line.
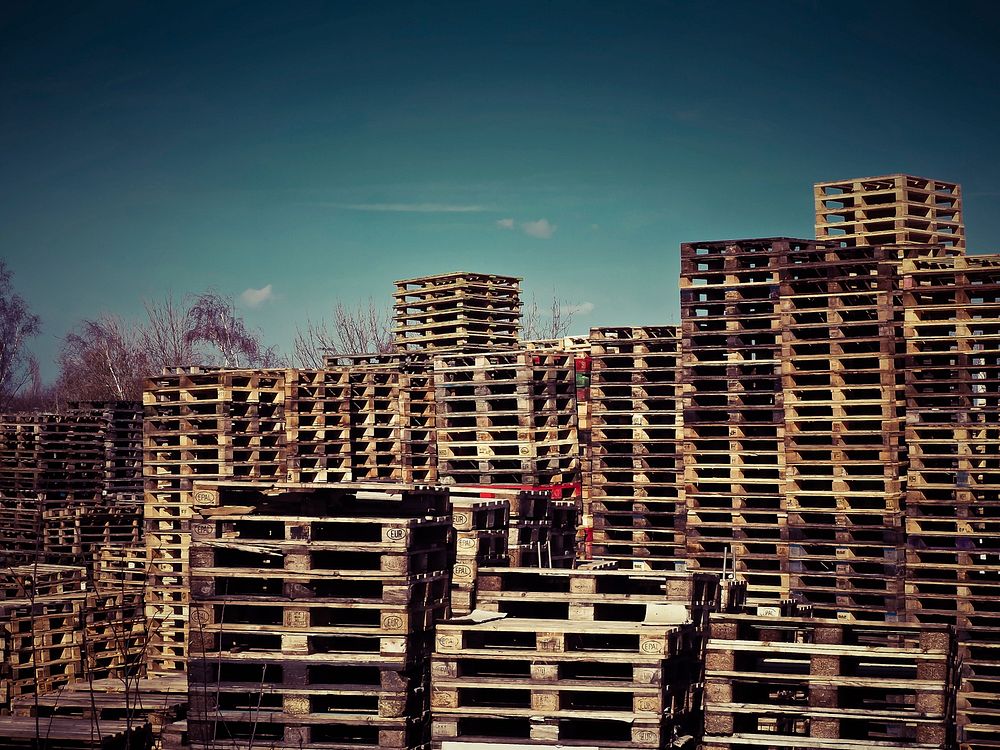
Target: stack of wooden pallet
734	418
507	418
375	423
312	613
70	733
418	420
120	568
54	460
563	533
457	311
56	629
317	413
121	431
952	329
199	424
481	532
635	463
63	489
787	682
843	431
576	658
70	459
41	628
540	531
890	209
72	535
365	419
114	635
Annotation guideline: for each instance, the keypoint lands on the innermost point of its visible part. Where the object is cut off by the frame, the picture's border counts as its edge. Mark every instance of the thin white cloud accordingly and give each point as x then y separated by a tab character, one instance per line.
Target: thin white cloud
542	229
581	308
257	297
505	223
415	208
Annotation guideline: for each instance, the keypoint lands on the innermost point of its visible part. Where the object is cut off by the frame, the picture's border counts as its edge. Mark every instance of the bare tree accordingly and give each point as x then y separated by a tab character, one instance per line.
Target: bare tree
364	329
37	396
311	342
216	322
103	359
552	323
108	358
169	336
17	324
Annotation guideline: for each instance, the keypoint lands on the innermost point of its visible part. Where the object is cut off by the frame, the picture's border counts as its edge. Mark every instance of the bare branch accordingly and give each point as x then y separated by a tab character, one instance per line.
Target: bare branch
365	329
311	342
215	321
552	324
103	360
17	325
168	337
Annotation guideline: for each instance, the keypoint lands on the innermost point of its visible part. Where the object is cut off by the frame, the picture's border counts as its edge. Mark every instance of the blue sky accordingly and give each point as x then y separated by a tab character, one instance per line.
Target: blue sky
326	148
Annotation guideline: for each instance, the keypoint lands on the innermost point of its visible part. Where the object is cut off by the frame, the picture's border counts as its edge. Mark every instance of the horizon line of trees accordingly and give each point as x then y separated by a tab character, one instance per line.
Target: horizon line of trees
108	357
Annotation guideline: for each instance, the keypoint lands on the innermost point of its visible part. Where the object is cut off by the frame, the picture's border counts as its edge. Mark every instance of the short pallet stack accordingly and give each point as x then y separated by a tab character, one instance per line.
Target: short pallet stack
312	613
573	658
890	209
98	713
541	531
42	610
786	682
635	461
456	311
481	534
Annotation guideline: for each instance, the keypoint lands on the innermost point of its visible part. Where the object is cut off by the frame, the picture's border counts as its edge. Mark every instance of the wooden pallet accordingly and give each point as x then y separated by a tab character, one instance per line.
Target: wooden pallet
822	679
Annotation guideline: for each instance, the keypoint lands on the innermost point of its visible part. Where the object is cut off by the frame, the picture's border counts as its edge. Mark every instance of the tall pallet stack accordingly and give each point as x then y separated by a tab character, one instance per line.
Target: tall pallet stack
635	461
786	682
733	414
199	424
890	209
574	658
952	331
312	613
507	418
456	311
844	454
